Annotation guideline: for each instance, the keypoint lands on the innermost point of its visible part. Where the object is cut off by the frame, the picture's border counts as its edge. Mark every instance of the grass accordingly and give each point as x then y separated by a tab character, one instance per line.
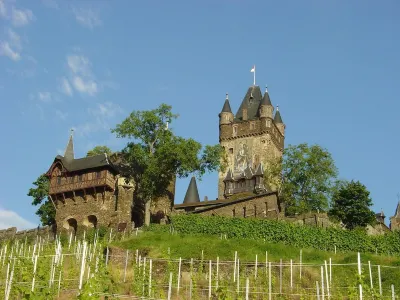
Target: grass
157	244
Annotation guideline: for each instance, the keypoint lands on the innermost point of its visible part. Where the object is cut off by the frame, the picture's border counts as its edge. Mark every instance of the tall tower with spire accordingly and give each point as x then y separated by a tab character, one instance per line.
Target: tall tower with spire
251	138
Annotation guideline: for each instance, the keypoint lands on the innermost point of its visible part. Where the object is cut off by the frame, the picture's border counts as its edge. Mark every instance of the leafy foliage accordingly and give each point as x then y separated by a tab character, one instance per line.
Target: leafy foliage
351	205
308	178
155	155
99	150
287	233
46	210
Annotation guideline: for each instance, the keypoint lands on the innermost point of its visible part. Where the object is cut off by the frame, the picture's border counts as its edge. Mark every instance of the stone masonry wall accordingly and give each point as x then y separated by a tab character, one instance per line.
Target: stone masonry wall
395	223
260	207
45	232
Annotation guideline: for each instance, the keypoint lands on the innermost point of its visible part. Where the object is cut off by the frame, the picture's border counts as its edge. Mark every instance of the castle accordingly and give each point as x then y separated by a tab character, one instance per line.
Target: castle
92	191
251	139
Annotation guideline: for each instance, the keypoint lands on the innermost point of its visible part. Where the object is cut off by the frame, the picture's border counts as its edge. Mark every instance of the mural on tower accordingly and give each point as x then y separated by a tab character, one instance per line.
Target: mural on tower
243	158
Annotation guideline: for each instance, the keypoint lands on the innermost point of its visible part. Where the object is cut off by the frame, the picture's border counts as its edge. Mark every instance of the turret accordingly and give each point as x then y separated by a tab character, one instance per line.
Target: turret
226	115
278	121
266	107
192	193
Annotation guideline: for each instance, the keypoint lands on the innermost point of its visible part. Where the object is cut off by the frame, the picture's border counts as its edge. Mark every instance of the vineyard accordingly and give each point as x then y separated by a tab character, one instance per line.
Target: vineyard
163	263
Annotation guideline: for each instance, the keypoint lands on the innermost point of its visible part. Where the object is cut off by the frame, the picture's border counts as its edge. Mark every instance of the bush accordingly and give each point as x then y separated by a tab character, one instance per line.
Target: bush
287	233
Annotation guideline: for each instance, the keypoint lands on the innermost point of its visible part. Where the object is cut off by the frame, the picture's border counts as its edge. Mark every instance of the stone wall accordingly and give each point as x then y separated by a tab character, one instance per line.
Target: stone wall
311	219
261	207
45	232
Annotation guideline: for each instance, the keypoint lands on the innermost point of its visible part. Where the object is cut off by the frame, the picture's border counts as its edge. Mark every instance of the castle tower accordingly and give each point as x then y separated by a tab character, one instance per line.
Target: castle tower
250	138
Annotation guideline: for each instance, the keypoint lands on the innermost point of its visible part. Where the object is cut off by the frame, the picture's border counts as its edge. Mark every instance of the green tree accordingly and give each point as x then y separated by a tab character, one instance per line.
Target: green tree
351	204
99	150
39	193
155	155
308	174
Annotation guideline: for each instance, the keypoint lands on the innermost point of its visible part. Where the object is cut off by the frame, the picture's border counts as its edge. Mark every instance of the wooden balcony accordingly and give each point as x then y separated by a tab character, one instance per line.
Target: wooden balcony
67	186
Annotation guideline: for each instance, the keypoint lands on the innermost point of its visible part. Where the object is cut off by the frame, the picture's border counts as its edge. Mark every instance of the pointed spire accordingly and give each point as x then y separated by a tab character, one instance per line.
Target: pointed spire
266	100
260	170
397	213
227	106
278	118
192	194
229	176
69	151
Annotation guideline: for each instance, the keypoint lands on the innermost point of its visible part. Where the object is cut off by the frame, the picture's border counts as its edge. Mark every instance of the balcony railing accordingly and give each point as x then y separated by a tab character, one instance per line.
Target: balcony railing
81	185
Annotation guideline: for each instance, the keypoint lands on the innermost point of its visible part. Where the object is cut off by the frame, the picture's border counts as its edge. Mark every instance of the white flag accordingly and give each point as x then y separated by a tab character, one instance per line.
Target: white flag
253	70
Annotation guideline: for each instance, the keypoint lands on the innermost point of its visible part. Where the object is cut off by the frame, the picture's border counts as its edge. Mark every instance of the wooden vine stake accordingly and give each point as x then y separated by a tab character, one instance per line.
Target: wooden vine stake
359	273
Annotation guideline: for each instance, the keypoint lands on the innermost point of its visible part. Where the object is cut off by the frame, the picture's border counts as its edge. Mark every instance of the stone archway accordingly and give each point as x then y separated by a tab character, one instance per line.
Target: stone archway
70	224
90	221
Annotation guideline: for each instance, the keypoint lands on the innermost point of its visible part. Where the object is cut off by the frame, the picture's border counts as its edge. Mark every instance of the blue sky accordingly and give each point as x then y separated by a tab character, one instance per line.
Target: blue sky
332	67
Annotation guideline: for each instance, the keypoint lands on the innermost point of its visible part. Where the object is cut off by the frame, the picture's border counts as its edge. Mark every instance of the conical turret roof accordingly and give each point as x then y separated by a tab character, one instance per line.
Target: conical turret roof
227	106
192	193
266	100
278	118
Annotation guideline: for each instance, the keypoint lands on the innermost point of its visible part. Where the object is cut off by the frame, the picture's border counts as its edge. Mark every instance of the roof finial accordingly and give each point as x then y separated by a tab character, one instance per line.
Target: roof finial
277	108
266	88
71	132
227	96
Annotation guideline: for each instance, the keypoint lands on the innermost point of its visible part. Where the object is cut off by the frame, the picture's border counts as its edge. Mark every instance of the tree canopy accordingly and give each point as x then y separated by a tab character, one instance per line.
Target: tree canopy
39	193
155	155
308	174
351	204
99	150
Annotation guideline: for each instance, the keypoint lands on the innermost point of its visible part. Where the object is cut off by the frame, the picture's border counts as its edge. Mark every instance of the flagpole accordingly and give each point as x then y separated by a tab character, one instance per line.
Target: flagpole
254	75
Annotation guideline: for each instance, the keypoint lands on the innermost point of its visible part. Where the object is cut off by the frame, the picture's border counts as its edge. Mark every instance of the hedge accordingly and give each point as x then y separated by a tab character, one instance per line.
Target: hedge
287	233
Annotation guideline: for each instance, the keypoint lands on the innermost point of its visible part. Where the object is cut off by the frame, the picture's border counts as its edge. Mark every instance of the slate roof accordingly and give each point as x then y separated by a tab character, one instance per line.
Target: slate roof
251	101
192	193
266	100
69	151
84	163
226	107
278	118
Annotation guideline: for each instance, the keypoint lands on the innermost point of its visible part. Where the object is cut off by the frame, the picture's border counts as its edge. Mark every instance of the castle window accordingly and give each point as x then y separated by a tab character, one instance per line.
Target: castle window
234	130
233	213
268	123
98	174
252	125
244	212
80	177
230	150
59	180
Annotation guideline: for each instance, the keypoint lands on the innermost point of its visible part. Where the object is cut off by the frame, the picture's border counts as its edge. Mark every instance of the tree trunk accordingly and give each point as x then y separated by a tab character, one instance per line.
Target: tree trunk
147	213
